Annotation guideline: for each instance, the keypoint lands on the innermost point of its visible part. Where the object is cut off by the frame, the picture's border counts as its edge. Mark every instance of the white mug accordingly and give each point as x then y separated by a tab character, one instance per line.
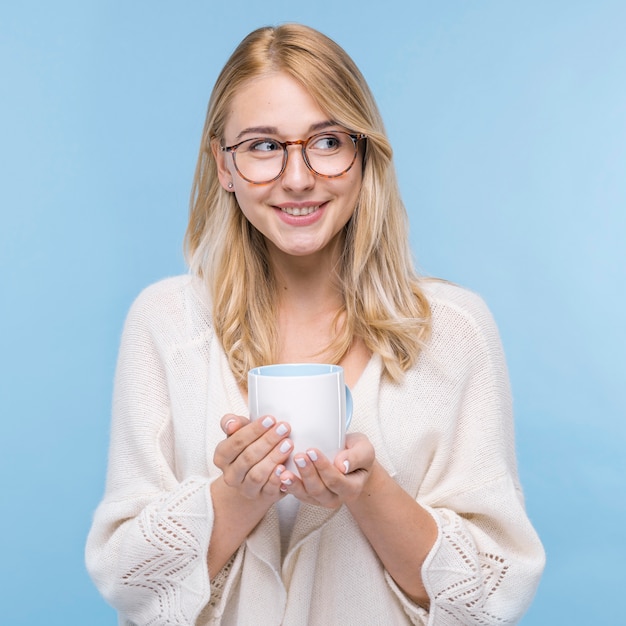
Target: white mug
312	397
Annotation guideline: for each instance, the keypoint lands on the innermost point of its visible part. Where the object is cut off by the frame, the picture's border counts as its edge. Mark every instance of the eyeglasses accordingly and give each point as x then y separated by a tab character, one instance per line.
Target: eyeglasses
262	160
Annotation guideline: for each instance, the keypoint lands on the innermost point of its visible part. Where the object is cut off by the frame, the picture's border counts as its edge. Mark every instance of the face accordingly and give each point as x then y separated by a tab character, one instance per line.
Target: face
300	214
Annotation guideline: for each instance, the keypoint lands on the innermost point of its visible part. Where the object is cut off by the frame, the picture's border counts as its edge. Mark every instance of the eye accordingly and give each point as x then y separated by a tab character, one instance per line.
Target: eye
263	145
326	143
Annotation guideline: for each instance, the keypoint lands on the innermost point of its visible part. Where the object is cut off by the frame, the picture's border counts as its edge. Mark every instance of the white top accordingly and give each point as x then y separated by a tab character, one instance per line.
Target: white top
287	510
445	434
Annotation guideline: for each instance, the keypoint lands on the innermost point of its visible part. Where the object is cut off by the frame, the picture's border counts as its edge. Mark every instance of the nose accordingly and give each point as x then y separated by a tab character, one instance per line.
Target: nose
297	175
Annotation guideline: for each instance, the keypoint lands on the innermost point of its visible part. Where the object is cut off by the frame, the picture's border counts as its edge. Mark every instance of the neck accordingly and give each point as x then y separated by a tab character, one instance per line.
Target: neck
307	285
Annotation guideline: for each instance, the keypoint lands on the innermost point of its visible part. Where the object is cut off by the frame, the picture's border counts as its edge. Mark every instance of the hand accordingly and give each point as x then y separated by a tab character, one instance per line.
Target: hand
252	455
331	484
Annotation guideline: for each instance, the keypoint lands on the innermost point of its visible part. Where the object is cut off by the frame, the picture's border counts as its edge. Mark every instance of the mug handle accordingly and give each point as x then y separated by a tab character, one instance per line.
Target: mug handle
349	406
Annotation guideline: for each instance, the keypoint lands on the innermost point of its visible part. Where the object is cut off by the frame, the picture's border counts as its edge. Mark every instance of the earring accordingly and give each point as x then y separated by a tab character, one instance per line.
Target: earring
230	185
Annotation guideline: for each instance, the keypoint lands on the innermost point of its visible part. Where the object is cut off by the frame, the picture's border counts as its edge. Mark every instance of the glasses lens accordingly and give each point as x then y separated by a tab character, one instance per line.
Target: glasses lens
329	154
259	160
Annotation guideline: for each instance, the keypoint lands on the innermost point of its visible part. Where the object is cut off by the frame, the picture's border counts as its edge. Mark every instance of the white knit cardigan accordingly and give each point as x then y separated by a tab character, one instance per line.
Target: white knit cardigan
445	434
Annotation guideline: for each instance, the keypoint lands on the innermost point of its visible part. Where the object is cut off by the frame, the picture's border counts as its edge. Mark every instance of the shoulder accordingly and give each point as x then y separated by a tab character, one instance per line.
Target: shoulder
459	315
175	306
167	289
451	297
453	301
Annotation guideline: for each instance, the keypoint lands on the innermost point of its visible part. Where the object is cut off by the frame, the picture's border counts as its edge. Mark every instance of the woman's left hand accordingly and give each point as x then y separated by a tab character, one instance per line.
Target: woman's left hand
331	483
399	529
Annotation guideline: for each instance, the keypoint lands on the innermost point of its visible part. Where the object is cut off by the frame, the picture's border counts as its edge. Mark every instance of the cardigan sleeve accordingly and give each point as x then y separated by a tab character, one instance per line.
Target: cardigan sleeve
147	548
487	560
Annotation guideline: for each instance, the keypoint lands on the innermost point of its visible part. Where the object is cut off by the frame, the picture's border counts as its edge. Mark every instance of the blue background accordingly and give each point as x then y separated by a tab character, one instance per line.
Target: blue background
509	125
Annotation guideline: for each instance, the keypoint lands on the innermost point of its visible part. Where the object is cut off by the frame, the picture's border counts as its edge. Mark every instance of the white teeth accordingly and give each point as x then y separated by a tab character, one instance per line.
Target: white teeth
297	212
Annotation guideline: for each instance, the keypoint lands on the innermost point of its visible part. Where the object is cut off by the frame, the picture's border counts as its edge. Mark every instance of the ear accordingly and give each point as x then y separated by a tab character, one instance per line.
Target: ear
223	160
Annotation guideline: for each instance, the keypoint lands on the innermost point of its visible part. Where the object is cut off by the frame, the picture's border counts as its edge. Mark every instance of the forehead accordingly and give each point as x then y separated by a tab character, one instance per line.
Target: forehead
274	101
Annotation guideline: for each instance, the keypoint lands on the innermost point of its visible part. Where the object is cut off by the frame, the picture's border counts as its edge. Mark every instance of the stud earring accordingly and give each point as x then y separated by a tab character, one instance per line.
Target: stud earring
230	185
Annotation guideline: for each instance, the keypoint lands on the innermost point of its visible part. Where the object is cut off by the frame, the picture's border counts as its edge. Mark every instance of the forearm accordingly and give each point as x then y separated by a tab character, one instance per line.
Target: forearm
235	517
401	532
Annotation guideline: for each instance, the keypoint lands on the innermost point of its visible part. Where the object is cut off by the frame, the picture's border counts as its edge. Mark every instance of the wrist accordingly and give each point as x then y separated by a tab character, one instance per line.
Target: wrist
374	485
232	500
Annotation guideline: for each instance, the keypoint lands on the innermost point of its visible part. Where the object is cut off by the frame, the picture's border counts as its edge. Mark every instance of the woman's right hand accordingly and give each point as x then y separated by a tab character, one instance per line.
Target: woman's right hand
251	459
253	454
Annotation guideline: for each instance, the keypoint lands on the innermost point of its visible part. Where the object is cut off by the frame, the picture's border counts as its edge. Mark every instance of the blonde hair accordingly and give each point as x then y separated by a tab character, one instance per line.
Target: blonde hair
383	303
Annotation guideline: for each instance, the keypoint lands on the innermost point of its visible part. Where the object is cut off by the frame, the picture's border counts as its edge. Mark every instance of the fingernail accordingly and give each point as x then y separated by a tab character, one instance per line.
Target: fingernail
281	430
300	462
267	422
285	445
279	470
287	481
312	455
346	465
228	423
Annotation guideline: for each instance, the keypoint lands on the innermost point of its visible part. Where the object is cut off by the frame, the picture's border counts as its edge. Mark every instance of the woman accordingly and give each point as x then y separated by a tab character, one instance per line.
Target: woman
298	252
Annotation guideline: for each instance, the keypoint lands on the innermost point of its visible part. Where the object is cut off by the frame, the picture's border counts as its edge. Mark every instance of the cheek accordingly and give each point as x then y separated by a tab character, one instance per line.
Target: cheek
250	201
354	188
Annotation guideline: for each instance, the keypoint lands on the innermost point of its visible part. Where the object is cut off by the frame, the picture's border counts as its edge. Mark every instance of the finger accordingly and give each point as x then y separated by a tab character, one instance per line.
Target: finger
273	486
245	433
231	423
311	487
311	481
344	462
358	454
287	479
291	483
344	477
249	444
266	474
266	444
328	475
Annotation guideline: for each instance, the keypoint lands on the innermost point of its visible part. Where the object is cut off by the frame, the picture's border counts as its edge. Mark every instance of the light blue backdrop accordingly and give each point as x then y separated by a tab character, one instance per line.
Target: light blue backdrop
509	125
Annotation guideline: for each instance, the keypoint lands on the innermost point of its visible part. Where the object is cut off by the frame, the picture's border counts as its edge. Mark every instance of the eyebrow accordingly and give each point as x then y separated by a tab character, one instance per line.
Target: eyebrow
272	130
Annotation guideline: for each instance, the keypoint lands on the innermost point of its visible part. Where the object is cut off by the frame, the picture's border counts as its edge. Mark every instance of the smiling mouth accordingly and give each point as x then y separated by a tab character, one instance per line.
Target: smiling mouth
300	211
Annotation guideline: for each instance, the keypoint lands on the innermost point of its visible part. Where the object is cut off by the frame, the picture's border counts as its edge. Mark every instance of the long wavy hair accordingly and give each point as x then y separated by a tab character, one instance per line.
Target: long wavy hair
383	304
